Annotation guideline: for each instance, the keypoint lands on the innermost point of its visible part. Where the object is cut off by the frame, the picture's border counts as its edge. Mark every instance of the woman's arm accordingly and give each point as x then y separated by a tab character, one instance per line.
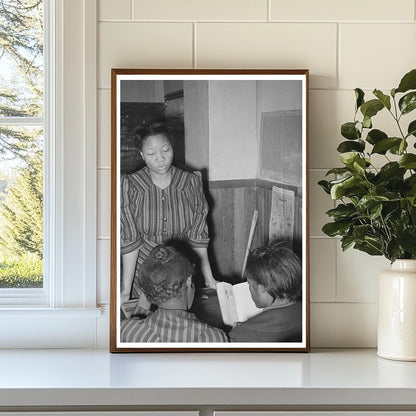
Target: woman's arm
202	253
129	267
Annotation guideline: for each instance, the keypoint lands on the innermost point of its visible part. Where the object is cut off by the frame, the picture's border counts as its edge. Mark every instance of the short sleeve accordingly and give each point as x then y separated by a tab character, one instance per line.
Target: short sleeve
198	231
213	335
129	236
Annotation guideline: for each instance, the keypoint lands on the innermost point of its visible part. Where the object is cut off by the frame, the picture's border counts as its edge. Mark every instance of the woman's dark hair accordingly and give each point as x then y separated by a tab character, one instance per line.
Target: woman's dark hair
163	274
146	130
278	269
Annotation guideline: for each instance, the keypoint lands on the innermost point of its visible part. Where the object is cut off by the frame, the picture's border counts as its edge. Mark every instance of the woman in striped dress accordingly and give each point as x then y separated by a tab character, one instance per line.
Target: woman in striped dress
159	203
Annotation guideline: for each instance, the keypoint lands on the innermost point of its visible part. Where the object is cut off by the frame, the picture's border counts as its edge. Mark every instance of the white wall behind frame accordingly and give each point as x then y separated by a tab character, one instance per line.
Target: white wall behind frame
342	45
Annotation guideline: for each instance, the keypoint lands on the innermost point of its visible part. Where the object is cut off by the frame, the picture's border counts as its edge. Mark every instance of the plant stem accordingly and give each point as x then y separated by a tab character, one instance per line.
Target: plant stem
397	118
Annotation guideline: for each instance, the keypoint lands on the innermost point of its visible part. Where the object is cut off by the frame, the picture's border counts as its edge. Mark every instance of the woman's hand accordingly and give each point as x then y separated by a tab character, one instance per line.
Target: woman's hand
129	267
206	267
211	283
124	297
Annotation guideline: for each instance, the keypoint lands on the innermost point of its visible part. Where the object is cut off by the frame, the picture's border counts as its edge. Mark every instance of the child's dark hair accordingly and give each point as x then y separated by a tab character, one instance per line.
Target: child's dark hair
146	130
278	269
163	274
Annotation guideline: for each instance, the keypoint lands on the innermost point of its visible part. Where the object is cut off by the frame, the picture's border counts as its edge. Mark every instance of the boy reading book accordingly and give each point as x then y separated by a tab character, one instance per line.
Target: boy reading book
274	276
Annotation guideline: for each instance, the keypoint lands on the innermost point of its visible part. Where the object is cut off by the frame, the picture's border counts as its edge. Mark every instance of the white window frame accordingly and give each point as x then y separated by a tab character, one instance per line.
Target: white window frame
64	313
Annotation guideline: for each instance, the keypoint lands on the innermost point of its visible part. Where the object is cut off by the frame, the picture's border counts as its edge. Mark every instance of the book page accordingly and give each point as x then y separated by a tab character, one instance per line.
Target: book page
227	303
245	305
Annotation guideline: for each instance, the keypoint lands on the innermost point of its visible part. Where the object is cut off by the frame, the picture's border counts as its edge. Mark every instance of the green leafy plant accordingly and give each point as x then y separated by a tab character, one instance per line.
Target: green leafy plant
376	210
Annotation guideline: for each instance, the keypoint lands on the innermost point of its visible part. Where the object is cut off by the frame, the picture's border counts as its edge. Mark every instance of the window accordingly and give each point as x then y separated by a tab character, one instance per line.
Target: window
63	312
22	138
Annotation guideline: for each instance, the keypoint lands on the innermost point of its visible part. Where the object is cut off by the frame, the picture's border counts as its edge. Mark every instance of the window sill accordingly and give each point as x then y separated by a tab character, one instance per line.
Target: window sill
39	327
323	379
36	312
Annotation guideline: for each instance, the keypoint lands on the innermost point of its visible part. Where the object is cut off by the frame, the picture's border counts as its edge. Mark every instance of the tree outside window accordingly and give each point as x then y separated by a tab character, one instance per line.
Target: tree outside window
21	143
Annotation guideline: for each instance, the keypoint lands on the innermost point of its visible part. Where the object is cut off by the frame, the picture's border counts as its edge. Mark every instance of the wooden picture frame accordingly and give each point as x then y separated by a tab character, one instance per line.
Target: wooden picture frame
246	133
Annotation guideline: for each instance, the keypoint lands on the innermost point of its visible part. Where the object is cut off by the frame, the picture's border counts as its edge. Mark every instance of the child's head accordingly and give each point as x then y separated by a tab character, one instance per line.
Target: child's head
273	272
163	274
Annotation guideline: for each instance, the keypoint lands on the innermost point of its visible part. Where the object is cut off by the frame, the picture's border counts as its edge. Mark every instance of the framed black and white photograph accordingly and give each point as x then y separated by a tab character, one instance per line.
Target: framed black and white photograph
209	211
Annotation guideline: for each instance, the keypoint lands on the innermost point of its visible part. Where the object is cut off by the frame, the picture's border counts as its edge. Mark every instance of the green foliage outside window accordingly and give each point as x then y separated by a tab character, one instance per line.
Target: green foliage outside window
21	146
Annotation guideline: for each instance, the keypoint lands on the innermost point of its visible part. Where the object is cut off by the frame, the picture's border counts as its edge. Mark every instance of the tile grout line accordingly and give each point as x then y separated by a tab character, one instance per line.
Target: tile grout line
255	21
336	271
338	63
343	302
194	63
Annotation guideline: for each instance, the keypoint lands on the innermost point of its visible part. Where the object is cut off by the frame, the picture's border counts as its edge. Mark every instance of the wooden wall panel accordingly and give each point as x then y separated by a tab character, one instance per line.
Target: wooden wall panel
232	204
245	204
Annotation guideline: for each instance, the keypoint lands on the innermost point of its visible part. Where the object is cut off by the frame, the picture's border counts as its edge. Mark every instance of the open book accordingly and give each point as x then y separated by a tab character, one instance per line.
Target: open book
236	302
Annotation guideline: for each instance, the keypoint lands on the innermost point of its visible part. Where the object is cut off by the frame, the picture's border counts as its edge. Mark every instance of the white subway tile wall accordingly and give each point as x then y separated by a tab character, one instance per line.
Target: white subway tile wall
323	267
104	128
103	269
343	325
146	45
200	10
339	11
114	10
270	45
366	51
345	44
104	202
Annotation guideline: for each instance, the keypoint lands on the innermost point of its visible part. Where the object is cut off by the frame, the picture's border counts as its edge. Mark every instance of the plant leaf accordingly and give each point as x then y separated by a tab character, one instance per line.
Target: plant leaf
383	145
359	165
368	248
407	240
333	229
391	170
411	130
338	171
349	146
398	149
375	136
385	99
338	189
369	201
408	82
367	122
346	242
359	95
325	186
408	161
350	187
408	102
342	211
375	211
371	108
349	131
394	251
348	158
402	147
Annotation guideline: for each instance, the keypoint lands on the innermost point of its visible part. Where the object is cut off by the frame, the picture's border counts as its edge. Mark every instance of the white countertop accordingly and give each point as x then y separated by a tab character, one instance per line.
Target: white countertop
96	377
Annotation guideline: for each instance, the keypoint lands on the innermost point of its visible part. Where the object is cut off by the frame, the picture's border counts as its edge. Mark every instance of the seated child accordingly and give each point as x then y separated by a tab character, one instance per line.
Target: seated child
165	277
274	275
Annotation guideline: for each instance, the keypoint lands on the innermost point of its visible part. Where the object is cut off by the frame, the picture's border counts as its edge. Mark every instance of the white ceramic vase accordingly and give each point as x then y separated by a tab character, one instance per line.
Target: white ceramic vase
397	312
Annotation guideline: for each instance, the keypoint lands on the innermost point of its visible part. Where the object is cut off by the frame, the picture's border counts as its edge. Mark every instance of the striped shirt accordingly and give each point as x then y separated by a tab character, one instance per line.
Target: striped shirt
165	325
150	215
